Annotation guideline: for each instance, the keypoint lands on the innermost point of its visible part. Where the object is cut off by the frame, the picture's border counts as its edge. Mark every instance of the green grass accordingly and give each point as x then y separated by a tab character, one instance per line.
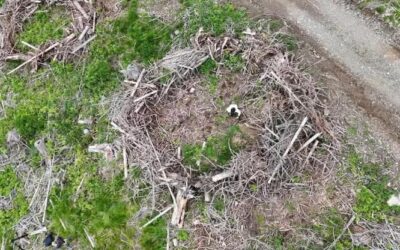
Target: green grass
373	191
234	63
154	236
389	10
218	149
183	235
47	24
330	226
213	17
288	41
11	186
100	208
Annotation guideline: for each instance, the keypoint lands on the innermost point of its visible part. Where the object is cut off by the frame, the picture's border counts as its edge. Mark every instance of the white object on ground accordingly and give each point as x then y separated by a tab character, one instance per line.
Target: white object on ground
235	108
394	200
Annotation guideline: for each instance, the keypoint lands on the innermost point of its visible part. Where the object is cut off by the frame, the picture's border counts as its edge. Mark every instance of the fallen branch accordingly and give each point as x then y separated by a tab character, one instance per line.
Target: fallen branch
33	58
158	216
283	158
91	240
310	154
346	227
222	176
309	142
83	44
138	82
80	9
39	231
145	96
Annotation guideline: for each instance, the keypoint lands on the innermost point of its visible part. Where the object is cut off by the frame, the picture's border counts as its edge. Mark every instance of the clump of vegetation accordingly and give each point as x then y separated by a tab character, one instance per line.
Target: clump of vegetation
10	186
329	228
217	150
287	40
182	235
235	63
213	17
47	24
374	192
100	208
137	37
154	236
387	9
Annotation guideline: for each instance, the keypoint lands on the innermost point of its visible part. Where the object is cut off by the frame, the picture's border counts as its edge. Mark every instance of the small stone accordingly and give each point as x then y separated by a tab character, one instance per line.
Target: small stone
59	242
86	131
175	242
48	240
192	90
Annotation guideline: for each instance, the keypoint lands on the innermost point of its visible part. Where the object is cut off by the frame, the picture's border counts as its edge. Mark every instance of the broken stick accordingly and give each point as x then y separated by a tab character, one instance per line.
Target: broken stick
158	216
283	158
222	176
33	58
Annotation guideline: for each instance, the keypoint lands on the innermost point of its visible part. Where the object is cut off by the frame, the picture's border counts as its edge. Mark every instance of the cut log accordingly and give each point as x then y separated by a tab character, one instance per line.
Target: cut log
178	216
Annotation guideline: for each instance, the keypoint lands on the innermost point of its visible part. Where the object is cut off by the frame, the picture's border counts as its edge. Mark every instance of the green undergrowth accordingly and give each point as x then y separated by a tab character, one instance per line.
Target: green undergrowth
101	208
213	17
11	187
218	150
389	10
154	236
330	226
373	190
47	24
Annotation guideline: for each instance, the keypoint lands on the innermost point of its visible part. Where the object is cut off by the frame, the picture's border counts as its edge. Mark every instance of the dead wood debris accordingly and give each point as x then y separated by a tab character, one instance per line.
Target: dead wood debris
291	124
77	35
376	235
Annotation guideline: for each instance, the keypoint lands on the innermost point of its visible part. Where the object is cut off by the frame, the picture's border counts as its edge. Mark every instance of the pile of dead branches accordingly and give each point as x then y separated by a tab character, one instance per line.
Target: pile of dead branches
78	34
295	135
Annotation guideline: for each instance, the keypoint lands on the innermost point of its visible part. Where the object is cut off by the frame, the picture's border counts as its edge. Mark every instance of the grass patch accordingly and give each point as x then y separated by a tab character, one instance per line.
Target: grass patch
288	41
329	228
11	186
100	208
47	24
213	17
154	236
373	191
389	10
218	150
235	63
183	235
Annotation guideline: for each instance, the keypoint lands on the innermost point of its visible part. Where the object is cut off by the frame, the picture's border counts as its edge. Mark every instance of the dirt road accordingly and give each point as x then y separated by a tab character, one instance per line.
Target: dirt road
351	45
